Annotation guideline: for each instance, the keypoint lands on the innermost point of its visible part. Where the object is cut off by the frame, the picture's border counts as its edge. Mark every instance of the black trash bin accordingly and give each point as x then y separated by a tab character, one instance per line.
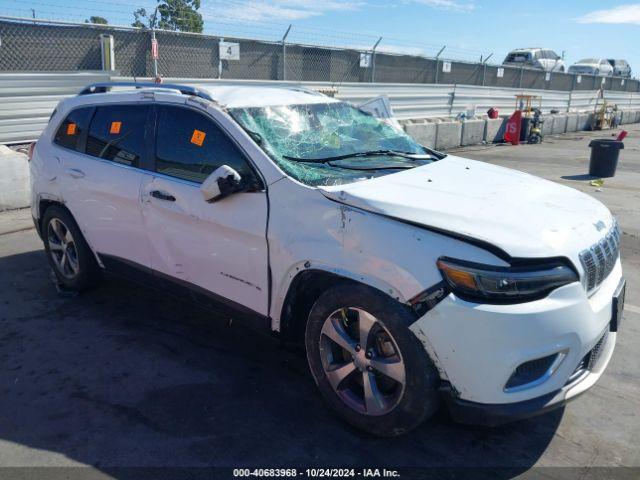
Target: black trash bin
604	157
525	128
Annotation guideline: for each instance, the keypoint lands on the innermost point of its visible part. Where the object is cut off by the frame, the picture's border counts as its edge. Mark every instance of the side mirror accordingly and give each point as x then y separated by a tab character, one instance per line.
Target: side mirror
221	183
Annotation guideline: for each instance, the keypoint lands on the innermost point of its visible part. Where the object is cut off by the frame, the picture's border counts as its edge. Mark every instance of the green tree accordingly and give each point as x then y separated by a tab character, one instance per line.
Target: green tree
143	19
179	15
100	20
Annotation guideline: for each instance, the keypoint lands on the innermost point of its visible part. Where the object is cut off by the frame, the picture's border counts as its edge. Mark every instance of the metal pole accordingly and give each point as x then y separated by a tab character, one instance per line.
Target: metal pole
521	73
453	99
438	61
220	40
153	40
373	60
484	67
284	53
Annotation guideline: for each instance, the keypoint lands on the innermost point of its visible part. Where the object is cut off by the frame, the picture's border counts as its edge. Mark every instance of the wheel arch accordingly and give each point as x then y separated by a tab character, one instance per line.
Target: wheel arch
43	204
304	289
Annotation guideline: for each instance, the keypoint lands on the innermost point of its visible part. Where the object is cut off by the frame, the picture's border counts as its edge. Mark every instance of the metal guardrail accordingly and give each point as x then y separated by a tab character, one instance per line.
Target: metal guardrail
27	99
482	98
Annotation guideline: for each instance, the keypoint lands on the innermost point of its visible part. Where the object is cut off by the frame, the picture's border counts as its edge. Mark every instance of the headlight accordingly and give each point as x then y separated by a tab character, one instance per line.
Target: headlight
490	284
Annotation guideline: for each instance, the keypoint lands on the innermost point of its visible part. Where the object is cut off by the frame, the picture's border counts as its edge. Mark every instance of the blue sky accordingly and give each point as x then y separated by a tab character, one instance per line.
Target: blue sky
469	28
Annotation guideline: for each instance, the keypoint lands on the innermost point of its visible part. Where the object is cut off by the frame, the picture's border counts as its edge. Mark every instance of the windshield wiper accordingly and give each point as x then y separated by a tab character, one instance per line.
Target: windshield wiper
388	167
371	153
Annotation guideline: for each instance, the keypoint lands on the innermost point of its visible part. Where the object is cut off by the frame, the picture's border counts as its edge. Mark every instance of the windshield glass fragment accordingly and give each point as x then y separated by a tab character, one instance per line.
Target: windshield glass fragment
330	143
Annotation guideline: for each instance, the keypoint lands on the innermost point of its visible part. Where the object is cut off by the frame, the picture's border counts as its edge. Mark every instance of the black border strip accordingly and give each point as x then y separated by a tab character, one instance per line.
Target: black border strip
184	291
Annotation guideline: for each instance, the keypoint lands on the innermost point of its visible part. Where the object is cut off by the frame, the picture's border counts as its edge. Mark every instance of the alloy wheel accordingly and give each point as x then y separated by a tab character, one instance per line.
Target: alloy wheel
62	248
362	361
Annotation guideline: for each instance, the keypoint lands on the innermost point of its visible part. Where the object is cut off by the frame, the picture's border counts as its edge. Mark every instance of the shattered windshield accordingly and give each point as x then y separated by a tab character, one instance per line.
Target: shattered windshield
330	143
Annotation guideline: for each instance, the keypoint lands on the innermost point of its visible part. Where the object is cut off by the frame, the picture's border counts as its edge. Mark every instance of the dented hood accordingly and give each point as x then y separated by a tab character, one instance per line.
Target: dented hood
523	215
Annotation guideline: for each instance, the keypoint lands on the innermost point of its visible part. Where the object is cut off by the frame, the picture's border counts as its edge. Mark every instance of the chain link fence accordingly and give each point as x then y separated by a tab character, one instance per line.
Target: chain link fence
39	45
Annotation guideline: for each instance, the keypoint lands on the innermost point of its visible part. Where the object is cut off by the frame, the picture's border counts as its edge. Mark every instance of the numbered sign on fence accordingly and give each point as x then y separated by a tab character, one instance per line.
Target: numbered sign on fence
365	60
500	72
547	76
229	51
446	67
579	79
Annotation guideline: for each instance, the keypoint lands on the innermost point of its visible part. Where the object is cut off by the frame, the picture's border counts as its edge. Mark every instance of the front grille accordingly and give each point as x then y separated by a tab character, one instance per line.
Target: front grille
590	360
599	259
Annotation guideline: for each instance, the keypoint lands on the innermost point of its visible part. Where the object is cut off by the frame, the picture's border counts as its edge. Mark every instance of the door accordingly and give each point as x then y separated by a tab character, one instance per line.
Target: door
102	176
217	247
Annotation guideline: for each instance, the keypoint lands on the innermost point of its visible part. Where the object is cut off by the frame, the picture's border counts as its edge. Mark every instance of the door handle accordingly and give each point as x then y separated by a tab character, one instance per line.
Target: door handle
162	196
75	173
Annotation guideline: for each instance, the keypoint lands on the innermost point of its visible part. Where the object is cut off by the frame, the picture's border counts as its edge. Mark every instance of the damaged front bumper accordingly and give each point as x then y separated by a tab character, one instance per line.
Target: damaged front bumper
491	415
480	348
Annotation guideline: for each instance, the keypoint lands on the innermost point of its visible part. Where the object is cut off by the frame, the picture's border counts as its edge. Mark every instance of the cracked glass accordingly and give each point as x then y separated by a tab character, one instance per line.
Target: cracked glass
315	132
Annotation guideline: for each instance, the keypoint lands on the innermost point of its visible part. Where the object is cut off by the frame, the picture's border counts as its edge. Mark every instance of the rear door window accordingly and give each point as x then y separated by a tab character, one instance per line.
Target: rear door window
191	146
118	132
74	126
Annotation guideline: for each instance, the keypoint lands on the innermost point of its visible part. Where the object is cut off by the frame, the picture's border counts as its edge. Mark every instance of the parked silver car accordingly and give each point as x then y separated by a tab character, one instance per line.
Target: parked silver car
592	66
620	68
539	58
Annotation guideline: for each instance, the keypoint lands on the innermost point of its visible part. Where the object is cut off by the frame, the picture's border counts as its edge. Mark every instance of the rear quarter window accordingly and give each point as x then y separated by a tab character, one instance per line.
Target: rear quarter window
72	128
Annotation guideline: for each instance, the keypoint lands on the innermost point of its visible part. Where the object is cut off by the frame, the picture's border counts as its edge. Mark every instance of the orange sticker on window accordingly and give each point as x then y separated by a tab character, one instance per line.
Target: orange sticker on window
198	137
115	128
71	129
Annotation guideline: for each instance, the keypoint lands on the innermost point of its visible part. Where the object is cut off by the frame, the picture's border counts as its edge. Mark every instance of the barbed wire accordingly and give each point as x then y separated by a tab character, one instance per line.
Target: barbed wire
223	26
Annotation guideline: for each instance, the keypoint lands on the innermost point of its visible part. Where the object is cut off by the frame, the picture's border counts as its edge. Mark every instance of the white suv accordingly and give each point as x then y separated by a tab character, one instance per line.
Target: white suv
539	58
411	276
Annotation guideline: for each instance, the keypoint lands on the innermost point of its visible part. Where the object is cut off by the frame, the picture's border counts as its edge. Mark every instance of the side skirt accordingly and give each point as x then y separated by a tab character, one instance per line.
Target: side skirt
186	292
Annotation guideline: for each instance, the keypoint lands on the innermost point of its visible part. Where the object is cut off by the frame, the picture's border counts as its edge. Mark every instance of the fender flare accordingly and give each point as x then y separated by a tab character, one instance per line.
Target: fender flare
296	269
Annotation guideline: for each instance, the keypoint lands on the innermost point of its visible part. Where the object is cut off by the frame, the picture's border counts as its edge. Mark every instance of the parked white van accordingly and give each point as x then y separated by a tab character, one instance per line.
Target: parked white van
411	276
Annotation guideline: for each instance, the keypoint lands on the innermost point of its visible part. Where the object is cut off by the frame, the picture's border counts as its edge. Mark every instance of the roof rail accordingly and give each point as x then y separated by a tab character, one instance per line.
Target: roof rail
107	86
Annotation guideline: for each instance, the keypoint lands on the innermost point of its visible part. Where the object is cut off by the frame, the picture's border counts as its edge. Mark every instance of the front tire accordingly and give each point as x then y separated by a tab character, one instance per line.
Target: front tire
69	255
370	368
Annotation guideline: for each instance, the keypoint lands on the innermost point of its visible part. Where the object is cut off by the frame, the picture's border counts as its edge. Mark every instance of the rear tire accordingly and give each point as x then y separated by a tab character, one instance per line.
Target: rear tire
353	334
67	251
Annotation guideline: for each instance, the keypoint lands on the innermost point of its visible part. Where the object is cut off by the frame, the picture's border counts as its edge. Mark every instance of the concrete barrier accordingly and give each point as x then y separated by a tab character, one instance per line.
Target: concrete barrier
572	122
559	124
472	132
494	129
547	125
637	116
584	121
626	117
448	135
14	179
422	132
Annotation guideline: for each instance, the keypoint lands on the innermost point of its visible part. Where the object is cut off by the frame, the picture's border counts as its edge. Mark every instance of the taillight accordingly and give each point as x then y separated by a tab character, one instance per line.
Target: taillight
32	149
